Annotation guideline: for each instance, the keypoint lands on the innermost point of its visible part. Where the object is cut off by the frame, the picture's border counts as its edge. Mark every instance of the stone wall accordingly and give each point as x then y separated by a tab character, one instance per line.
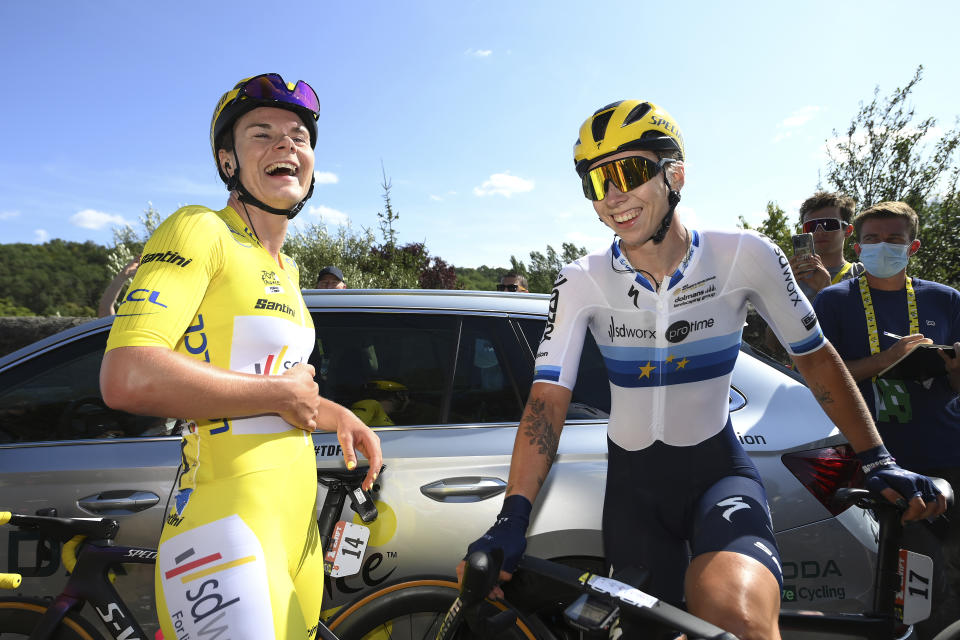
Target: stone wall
19	331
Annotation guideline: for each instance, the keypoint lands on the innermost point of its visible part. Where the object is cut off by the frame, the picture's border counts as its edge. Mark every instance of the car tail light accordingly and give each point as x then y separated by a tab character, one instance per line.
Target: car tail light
823	471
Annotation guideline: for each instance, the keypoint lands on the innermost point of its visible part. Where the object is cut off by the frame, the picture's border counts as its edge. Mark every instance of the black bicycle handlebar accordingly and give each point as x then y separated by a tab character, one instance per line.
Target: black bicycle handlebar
482	572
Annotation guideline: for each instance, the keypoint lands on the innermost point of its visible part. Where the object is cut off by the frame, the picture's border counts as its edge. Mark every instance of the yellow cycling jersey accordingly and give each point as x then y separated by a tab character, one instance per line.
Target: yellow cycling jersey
240	542
206	288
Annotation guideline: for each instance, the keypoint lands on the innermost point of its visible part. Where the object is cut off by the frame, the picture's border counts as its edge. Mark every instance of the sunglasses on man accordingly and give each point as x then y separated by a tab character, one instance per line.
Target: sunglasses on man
626	174
825	224
508	287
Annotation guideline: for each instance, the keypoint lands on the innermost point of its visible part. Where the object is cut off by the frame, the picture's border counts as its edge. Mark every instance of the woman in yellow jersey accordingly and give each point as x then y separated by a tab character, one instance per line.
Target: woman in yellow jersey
214	329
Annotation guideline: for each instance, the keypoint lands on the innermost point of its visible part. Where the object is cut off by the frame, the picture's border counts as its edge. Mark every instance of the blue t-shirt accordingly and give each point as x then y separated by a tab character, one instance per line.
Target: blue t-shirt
926	433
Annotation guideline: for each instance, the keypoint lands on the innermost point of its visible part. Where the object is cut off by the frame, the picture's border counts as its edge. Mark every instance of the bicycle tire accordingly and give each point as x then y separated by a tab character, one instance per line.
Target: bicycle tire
951	632
19	616
414	608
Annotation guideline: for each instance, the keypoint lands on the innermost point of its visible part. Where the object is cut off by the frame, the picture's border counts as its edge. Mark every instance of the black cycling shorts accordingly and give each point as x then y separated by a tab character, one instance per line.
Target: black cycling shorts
666	504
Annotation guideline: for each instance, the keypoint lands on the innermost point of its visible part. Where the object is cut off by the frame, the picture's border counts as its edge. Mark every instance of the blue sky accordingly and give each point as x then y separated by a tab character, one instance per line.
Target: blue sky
471	106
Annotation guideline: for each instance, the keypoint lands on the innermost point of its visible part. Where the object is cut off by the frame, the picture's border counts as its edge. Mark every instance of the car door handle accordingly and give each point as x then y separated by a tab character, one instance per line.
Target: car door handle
464	489
114	503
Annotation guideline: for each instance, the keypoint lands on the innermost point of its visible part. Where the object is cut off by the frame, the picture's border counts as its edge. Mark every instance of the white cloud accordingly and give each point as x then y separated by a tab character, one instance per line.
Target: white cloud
92	219
503	184
479	53
436	198
326	177
796	120
688	216
329	216
41	235
800	117
8	215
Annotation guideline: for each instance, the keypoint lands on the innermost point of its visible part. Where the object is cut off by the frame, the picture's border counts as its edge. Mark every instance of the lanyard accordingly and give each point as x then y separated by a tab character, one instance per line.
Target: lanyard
872	316
837	278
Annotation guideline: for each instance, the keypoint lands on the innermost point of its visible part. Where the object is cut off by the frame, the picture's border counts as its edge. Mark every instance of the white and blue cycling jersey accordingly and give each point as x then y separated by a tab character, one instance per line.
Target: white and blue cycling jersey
670	353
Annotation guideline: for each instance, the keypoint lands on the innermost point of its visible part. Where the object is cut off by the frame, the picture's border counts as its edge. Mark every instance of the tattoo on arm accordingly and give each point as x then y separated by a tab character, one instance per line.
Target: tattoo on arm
822	394
538	428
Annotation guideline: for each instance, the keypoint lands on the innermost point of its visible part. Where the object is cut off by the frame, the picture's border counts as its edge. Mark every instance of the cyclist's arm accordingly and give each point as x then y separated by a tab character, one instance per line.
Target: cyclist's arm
835	390
161	382
537	439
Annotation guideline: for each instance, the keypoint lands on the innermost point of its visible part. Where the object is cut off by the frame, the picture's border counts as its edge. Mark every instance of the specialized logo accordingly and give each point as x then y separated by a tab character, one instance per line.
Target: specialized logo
269	277
266	305
679	330
735	503
809	321
623	331
554	303
170	257
634	294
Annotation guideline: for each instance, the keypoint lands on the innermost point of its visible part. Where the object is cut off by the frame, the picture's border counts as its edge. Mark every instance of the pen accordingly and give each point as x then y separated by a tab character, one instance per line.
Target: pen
892	335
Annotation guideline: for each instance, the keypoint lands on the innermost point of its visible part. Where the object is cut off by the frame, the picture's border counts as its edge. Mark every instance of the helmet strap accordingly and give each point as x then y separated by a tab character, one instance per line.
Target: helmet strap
673	199
235	184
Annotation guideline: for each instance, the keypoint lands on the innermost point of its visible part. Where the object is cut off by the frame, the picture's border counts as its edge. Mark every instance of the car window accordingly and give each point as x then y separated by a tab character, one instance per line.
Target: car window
56	396
484	385
390	368
591	394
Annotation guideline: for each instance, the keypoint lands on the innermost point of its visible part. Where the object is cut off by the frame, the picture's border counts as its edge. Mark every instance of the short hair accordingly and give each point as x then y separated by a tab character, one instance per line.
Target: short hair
824	199
888	210
521	279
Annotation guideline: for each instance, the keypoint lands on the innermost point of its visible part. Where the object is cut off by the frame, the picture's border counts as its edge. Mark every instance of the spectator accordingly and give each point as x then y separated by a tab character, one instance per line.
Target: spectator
513	281
109	298
919	420
827	216
330	278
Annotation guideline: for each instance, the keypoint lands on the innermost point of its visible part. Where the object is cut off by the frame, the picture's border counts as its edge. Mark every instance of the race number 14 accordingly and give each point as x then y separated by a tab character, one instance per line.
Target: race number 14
347	547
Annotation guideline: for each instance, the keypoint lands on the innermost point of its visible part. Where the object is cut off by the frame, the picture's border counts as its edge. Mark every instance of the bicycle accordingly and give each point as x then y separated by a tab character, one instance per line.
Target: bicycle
901	594
91	557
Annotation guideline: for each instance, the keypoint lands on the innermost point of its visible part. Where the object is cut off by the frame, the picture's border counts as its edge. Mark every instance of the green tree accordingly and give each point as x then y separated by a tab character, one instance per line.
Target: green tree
10	308
775	226
887	153
544	267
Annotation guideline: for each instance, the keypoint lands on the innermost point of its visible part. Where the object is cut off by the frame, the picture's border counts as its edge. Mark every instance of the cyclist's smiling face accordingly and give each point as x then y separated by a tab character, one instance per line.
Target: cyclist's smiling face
636	215
276	159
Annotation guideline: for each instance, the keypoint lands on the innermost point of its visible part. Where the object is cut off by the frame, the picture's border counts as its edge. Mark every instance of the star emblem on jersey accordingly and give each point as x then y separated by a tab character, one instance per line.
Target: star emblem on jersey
680	363
646	370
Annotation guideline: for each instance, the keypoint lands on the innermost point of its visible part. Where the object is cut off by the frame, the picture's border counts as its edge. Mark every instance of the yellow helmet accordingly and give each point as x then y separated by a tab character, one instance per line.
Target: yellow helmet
623	126
264	90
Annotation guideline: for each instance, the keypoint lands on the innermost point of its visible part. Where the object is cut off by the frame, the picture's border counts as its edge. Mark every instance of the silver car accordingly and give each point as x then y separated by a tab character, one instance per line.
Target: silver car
465	360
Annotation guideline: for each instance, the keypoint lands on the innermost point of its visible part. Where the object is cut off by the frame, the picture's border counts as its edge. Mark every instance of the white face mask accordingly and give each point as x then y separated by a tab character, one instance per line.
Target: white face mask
884	259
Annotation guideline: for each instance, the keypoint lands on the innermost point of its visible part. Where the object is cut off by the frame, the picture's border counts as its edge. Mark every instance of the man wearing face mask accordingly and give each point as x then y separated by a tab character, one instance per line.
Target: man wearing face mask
919	420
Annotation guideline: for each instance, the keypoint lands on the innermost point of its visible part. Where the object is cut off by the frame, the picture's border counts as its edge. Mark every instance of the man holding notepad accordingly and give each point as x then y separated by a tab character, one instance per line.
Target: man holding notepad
899	337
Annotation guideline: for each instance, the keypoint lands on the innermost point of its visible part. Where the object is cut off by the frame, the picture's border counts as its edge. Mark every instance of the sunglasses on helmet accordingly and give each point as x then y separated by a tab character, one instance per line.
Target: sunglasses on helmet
626	174
827	224
270	86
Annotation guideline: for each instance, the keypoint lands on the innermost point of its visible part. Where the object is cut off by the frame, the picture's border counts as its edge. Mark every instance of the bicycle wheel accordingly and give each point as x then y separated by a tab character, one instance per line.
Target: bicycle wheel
951	632
414	609
19	616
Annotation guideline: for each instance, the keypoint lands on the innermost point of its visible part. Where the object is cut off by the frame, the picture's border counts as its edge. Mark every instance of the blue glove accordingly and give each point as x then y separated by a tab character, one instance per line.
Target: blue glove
509	533
882	472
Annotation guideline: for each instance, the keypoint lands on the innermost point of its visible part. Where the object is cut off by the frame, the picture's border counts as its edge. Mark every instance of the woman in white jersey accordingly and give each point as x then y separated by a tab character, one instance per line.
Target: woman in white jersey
666	305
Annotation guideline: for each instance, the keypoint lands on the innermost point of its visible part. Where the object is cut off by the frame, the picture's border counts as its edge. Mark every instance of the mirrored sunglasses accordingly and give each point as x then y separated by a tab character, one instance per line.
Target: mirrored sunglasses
270	86
626	174
826	224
